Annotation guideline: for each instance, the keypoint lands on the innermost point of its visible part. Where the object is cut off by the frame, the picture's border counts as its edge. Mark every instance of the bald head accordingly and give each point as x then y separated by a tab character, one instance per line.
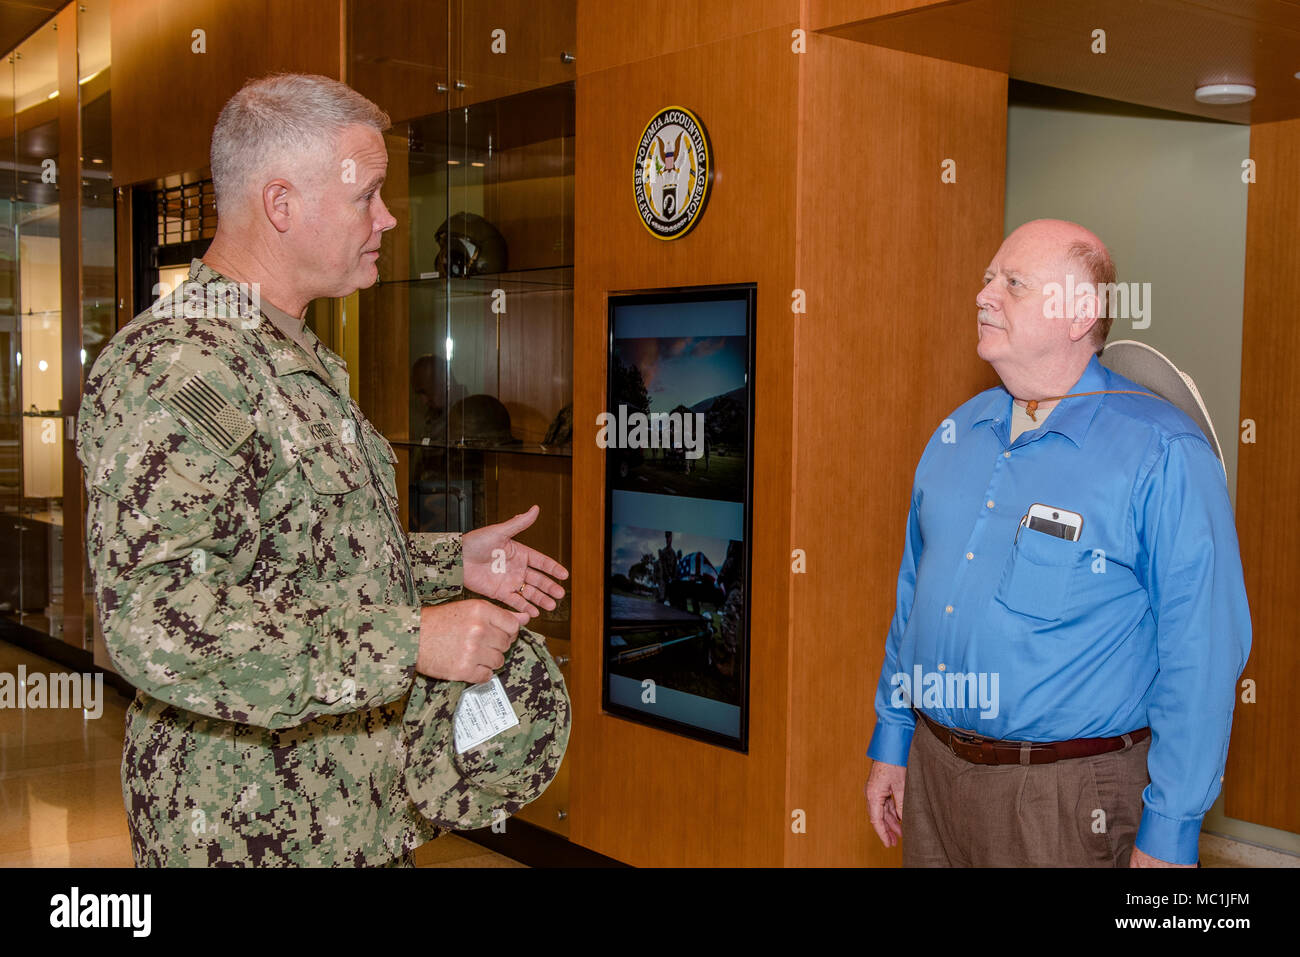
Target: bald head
1042	311
1055	232
1080	253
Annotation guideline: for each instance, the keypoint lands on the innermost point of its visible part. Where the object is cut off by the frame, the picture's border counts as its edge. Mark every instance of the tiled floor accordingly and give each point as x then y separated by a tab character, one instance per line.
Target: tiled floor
61	790
1219	851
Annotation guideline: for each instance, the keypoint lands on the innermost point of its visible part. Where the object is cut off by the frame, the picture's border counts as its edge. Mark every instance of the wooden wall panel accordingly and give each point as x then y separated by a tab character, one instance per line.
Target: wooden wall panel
642	795
833	13
891	259
166	98
617	32
1262	778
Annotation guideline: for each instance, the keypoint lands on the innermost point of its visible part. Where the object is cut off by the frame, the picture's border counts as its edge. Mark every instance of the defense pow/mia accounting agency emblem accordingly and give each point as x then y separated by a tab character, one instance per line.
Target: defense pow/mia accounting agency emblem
674	169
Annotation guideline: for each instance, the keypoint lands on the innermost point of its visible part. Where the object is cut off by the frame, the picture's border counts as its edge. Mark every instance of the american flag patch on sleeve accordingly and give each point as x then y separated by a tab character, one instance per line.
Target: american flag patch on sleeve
208	412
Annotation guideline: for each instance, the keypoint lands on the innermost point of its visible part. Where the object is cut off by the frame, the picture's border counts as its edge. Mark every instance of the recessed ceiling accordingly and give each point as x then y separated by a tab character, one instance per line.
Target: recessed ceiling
1157	52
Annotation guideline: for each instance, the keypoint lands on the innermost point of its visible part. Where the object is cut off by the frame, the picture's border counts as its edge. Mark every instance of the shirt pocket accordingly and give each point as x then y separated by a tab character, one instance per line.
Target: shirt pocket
342	511
1039	575
334	467
386	462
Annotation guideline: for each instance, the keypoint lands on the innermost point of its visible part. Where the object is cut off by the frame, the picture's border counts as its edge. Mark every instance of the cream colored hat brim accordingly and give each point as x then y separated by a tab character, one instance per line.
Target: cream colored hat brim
1150	367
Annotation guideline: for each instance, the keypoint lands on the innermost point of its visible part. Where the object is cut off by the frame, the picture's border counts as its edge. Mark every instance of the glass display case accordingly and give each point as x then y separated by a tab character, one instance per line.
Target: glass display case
46	331
465	345
32	433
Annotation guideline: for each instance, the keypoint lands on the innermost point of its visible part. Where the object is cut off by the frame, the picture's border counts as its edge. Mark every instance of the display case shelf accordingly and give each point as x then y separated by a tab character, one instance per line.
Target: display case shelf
539	279
563	452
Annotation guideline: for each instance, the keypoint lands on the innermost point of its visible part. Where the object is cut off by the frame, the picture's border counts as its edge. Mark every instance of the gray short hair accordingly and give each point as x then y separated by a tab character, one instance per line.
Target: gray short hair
283	113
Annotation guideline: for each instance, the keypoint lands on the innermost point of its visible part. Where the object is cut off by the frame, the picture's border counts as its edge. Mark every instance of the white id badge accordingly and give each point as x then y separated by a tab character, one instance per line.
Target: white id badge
484	712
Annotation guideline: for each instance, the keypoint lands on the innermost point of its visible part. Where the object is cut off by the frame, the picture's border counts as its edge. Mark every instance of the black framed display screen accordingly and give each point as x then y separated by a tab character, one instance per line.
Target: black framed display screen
678	439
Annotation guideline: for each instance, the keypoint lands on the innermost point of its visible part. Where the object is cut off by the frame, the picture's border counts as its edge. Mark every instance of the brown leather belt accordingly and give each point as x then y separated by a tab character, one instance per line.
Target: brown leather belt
979	750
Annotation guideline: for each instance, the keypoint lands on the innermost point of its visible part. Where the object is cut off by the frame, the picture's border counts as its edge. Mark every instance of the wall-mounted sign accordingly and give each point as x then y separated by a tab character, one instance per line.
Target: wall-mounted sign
674	169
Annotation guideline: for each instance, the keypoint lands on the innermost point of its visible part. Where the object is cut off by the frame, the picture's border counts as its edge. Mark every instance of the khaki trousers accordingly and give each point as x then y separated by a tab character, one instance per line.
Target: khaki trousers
1080	812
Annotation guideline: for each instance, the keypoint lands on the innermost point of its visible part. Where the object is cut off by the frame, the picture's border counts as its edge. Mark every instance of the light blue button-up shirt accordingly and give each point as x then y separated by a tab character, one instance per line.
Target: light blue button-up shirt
1015	634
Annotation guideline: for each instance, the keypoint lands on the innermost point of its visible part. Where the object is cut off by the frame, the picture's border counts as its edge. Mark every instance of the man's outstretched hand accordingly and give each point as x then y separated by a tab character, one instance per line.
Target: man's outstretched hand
497	566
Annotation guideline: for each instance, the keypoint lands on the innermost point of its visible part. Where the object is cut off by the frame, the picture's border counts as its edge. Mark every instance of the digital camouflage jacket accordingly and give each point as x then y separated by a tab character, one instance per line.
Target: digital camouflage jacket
254	582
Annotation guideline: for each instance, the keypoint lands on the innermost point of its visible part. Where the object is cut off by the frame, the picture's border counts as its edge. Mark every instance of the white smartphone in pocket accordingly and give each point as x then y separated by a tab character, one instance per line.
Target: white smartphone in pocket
1059	522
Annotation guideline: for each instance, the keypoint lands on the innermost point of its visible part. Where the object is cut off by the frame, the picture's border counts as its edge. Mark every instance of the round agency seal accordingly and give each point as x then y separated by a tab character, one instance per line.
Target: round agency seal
674	168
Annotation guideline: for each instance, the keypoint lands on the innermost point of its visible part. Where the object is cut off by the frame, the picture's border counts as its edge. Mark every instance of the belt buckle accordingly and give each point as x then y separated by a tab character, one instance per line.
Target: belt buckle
967	737
982	747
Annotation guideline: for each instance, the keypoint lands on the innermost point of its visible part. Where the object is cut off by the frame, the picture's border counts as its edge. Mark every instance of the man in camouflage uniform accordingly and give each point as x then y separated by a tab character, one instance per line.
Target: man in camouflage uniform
666	569
730	616
251	574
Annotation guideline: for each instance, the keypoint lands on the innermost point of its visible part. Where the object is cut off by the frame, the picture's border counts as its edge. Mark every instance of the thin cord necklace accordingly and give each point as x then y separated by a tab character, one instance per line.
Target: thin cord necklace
1032	405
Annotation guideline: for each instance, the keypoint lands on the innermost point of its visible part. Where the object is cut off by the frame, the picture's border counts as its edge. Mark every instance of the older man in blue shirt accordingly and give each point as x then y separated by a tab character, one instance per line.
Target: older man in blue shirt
1077	685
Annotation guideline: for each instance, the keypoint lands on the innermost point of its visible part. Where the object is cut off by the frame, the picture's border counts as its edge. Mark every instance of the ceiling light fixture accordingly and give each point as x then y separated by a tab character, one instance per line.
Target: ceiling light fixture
1223	94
